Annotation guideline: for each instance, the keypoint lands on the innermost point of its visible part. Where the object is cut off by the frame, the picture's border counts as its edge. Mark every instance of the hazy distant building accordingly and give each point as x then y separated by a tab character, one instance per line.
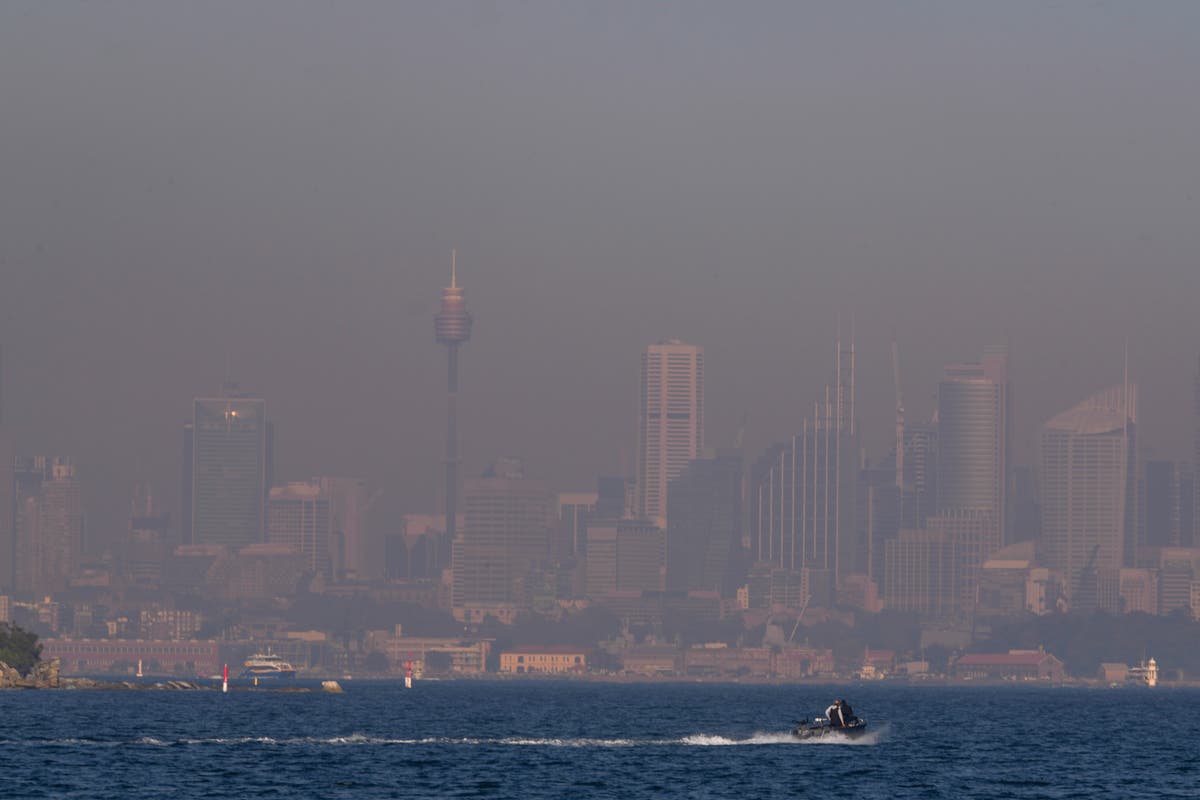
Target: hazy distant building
1025	511
704	523
299	518
350	553
879	515
8	515
670	420
922	574
230	466
974	426
148	544
55	533
1165	505
506	535
1195	507
626	555
802	498
575	509
1086	474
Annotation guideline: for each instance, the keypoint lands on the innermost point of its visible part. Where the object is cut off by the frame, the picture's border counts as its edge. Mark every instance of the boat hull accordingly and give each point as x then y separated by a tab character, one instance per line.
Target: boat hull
821	729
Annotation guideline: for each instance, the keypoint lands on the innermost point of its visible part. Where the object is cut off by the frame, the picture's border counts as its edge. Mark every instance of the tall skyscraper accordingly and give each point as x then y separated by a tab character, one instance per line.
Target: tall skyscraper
974	425
704	523
451	327
1087	479
231	467
670	421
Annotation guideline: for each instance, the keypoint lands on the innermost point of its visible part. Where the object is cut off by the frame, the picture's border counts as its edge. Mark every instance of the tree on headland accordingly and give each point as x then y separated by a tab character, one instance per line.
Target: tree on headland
19	648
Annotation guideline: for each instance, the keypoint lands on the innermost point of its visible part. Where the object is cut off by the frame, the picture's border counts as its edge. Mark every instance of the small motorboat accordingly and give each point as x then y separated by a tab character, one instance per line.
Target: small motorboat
820	727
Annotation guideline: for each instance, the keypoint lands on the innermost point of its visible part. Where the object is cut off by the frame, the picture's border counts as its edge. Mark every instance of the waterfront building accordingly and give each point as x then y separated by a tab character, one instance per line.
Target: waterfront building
546	659
670	421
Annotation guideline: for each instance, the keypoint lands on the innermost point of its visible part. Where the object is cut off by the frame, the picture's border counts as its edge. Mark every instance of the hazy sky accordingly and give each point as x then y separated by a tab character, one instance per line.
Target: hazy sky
283	181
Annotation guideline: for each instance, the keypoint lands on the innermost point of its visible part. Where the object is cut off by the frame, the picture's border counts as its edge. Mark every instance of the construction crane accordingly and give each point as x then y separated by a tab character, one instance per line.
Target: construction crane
800	616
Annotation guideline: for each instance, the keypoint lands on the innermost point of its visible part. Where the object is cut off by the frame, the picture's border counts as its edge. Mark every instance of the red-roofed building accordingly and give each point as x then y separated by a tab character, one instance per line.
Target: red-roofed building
1023	665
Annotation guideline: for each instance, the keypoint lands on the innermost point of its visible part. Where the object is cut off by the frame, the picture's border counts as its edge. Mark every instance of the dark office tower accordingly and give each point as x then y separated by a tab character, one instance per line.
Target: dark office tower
229	469
704	515
1087	457
451	327
1026	512
616	497
878	515
185	488
974	425
1160	505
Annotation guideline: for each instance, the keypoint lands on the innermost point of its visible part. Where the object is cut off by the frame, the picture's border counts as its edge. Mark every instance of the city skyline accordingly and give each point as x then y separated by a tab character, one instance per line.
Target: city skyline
728	182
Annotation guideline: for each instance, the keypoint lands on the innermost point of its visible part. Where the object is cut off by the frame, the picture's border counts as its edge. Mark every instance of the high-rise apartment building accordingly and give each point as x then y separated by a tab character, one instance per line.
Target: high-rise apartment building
704	523
974	425
230	469
670	421
1087	479
299	518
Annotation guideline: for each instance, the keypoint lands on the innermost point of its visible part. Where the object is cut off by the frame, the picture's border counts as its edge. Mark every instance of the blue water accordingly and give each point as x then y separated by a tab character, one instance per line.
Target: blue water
587	740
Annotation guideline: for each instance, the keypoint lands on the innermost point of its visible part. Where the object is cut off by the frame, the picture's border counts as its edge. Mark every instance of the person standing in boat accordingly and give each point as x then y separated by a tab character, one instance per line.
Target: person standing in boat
846	713
834	714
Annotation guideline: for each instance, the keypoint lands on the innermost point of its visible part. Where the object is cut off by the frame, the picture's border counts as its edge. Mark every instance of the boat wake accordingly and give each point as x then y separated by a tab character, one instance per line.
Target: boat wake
359	739
765	738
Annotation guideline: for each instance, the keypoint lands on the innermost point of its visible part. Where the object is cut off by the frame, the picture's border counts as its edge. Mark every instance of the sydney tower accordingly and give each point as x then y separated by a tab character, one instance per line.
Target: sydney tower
451	327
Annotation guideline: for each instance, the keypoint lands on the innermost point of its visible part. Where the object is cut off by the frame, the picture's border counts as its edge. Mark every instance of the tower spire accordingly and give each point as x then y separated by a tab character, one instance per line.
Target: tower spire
453	269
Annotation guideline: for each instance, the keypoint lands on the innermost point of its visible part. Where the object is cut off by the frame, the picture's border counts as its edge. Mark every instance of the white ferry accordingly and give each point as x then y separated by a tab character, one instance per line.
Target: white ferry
268	665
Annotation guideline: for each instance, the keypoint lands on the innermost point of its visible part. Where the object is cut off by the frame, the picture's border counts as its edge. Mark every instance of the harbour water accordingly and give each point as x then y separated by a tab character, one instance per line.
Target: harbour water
560	739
